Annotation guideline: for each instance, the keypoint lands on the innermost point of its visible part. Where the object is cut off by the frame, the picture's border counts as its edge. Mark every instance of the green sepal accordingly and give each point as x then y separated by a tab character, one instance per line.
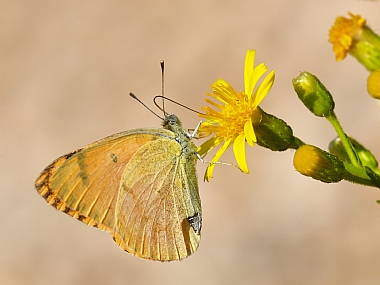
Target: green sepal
275	134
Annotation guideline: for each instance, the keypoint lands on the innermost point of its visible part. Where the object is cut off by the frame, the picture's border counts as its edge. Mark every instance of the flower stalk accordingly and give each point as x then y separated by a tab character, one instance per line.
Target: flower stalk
354	159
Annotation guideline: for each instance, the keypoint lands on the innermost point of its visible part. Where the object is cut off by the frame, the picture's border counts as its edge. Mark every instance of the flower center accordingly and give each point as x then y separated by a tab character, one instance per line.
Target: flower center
235	116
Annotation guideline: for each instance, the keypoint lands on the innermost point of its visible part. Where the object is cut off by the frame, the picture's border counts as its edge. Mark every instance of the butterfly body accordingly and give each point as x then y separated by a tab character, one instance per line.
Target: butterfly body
140	185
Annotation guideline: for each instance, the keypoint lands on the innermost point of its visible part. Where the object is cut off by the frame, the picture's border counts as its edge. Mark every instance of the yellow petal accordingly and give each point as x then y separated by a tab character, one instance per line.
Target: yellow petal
211	166
249	133
223	92
263	90
216	105
239	151
208	173
255	76
248	69
207	146
219	82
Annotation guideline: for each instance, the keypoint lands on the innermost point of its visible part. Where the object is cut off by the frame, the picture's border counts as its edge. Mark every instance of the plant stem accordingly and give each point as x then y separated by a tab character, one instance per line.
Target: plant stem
343	137
357	175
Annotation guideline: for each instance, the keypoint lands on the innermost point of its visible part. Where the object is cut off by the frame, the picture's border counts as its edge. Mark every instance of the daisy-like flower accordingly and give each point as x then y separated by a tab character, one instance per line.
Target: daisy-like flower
344	32
236	116
353	36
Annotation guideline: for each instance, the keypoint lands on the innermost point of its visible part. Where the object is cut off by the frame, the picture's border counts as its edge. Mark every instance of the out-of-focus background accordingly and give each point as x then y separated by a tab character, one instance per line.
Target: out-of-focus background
67	69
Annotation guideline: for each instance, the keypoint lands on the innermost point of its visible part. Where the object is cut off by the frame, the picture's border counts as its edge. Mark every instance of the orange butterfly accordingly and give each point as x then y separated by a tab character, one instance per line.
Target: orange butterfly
141	186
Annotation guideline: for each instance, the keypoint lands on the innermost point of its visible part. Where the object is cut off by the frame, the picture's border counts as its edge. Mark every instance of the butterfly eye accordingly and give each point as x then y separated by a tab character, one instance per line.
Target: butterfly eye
173	120
172	123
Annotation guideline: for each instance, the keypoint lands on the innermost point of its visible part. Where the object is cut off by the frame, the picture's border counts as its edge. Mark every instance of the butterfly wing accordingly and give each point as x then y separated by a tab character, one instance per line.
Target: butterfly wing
137	185
85	183
157	201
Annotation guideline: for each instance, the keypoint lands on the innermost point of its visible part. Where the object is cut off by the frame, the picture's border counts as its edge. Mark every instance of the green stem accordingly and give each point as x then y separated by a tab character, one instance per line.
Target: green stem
296	143
357	175
343	137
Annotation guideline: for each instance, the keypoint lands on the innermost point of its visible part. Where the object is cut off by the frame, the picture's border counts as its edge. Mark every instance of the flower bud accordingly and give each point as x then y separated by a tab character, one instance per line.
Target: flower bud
318	164
365	156
274	133
373	84
313	94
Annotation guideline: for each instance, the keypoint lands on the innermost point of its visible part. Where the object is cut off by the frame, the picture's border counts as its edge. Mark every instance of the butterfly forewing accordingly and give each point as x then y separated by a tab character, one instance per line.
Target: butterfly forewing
85	183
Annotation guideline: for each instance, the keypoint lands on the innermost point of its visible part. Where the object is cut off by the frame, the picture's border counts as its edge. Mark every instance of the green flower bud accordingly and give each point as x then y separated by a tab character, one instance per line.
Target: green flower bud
274	133
318	164
365	156
313	94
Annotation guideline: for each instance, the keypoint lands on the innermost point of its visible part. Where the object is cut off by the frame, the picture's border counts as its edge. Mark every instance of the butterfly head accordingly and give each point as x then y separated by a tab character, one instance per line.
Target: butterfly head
172	123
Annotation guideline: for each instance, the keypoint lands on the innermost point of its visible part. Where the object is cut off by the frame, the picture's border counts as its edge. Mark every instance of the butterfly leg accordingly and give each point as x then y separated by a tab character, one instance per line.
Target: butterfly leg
195	131
217	162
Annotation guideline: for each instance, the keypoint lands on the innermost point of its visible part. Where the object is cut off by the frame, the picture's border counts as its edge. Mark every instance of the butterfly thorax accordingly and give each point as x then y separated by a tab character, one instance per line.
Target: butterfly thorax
172	123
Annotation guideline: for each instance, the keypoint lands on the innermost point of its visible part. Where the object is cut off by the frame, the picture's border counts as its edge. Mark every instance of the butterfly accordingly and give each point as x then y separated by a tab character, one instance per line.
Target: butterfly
140	185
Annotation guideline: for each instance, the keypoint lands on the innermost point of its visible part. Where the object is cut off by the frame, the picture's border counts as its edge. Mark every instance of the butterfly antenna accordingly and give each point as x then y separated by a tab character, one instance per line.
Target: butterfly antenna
175	102
162	63
135	97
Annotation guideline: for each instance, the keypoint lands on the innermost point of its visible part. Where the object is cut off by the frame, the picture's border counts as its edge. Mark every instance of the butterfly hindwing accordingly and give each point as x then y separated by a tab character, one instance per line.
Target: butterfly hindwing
158	195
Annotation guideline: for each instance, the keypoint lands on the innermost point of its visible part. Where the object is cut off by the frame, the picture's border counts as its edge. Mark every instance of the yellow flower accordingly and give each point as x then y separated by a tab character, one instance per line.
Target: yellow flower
353	36
344	33
237	114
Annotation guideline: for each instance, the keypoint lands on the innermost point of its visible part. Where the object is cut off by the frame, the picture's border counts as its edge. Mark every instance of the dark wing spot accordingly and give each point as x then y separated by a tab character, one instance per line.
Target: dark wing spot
113	157
67	156
55	202
81	217
82	166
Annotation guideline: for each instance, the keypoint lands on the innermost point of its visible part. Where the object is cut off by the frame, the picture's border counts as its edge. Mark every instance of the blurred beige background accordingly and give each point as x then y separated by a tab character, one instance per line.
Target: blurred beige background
67	69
